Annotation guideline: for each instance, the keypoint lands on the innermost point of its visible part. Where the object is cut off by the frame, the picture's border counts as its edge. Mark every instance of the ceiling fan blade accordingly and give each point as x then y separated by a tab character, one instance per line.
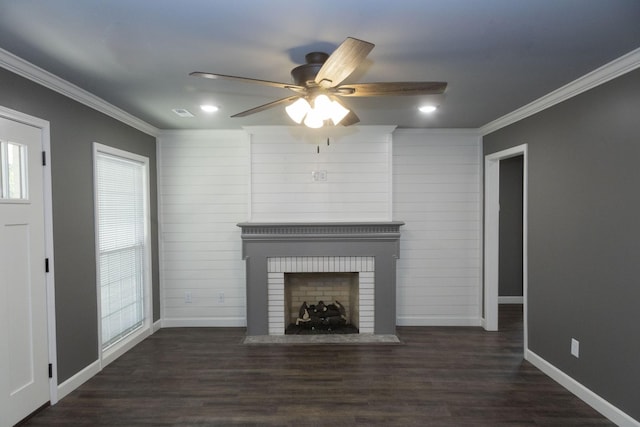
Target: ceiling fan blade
342	62
293	87
266	106
350	119
391	89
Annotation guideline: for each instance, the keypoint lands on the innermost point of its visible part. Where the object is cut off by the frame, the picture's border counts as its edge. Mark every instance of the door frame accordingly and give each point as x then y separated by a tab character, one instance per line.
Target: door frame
491	234
43	125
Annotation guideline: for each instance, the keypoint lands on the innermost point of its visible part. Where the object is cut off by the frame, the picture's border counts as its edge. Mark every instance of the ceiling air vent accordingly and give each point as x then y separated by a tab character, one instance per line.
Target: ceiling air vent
182	112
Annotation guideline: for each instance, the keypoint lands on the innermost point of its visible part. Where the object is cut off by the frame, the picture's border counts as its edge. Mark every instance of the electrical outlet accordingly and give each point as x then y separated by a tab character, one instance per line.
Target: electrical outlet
187	298
220	297
575	347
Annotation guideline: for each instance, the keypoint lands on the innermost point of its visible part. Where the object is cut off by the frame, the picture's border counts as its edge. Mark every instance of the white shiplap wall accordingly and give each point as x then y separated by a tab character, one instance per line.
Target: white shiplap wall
437	192
211	180
203	186
358	172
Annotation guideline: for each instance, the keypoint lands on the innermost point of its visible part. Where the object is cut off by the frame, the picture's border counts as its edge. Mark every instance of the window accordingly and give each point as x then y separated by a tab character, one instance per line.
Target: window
121	197
13	171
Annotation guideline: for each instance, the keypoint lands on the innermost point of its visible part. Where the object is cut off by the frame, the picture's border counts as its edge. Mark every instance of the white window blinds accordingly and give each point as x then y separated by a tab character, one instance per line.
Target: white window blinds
120	196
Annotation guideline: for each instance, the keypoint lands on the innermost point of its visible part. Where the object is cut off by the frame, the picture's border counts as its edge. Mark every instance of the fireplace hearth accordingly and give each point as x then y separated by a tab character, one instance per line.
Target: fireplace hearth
365	253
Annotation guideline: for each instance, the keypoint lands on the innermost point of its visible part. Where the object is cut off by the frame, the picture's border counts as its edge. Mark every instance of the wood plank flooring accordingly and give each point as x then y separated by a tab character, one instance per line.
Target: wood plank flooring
439	376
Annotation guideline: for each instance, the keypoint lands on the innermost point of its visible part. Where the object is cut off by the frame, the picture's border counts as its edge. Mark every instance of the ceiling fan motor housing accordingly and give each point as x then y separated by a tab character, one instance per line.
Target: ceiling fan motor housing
305	74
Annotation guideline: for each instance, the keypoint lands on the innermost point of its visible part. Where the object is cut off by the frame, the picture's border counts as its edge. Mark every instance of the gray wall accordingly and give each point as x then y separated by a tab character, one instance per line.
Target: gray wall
584	235
510	241
74	127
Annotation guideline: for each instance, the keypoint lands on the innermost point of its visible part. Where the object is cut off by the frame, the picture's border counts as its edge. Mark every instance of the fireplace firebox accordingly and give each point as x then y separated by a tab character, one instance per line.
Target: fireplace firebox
321	303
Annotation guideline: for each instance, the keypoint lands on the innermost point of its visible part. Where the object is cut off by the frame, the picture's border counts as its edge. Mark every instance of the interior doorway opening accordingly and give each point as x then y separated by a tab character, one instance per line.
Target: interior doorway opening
492	237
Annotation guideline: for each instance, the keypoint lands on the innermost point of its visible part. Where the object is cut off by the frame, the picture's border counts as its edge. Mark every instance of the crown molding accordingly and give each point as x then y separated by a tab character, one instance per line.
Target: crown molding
42	77
438	131
607	72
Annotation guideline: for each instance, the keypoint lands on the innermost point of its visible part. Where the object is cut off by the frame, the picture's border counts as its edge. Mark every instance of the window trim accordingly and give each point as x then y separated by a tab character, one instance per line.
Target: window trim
129	341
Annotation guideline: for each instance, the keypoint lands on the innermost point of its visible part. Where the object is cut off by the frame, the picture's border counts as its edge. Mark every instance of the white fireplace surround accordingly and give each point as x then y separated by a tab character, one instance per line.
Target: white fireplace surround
278	266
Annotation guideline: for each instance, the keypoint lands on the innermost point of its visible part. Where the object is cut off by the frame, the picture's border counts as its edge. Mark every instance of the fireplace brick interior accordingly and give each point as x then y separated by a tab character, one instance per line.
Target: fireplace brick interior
327	287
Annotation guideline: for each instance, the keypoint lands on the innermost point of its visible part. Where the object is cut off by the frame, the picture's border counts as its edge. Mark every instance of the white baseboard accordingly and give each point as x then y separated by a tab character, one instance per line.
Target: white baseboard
87	373
119	349
156	326
438	321
212	322
590	398
510	300
78	379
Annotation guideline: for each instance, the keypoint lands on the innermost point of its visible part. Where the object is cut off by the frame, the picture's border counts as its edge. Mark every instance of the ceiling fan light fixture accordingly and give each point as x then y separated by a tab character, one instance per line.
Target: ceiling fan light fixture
313	120
323	107
298	110
338	112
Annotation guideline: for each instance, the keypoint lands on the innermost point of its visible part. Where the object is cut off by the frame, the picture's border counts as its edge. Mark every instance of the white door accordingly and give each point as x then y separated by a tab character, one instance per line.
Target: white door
24	359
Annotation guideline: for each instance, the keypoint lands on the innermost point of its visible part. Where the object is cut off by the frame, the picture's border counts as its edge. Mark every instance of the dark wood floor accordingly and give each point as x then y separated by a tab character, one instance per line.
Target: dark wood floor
439	376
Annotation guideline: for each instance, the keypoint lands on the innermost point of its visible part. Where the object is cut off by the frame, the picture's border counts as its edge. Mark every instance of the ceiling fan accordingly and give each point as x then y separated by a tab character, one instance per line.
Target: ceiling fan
317	85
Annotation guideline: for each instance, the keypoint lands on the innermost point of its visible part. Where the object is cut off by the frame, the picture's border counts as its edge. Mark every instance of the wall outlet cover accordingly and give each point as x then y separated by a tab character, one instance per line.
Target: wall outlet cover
575	347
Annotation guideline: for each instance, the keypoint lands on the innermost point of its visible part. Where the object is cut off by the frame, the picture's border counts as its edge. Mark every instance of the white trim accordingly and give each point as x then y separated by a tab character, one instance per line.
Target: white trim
491	232
78	379
438	131
157	325
438	321
511	300
491	225
160	228
389	143
480	230
607	72
590	398
44	127
36	74
206	322
130	341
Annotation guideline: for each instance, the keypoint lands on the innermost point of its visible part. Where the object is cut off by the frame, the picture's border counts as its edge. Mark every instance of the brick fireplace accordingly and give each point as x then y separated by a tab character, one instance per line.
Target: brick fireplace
325	252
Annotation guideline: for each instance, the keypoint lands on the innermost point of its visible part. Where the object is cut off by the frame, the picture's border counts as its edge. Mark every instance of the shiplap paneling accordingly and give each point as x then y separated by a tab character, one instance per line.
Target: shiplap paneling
204	184
437	192
357	166
211	180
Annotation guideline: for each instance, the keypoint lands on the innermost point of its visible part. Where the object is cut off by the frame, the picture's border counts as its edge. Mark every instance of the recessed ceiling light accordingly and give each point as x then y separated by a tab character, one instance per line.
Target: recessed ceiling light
209	108
428	108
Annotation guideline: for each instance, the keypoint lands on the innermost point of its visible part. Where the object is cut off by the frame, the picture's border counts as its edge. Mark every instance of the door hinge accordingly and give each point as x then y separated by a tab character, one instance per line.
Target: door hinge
46	265
44	158
50	370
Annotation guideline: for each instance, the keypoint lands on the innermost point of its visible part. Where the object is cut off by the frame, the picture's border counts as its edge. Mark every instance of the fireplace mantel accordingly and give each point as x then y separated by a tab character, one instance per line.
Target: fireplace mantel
261	241
389	230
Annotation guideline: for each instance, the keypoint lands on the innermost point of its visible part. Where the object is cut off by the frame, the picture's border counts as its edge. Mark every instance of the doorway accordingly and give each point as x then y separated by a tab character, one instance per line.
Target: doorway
27	361
492	235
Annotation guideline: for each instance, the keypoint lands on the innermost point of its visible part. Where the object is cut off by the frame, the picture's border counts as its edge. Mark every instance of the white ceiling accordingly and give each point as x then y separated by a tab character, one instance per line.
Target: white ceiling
497	55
